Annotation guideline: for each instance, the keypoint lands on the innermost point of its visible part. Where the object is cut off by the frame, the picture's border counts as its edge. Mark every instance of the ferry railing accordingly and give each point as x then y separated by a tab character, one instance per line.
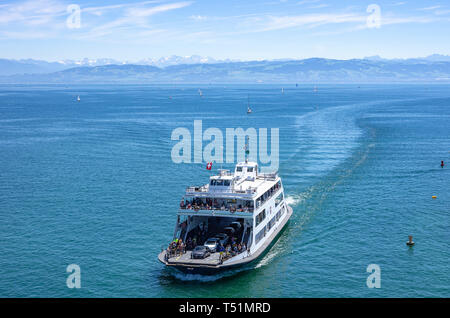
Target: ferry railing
217	208
205	188
268	175
202	188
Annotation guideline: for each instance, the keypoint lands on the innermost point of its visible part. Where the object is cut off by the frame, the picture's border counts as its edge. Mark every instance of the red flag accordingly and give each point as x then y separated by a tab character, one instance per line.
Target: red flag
209	166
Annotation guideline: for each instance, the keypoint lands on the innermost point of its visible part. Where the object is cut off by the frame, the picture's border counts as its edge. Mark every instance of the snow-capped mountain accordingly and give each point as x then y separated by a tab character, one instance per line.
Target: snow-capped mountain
159	62
91	62
177	60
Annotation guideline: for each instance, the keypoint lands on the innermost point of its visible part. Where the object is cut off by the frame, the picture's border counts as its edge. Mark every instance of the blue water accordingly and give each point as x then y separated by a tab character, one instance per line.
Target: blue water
92	183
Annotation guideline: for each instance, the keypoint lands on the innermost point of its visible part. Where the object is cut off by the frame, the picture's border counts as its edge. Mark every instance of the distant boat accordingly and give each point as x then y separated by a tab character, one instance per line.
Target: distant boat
78	98
282	91
315	88
249	110
200	92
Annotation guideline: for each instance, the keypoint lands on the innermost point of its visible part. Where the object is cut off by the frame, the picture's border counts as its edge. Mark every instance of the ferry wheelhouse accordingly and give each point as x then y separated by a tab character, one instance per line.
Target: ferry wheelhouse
228	222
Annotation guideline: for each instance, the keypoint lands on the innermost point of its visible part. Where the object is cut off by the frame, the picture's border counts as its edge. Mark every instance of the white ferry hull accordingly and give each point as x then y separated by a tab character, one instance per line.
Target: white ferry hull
192	267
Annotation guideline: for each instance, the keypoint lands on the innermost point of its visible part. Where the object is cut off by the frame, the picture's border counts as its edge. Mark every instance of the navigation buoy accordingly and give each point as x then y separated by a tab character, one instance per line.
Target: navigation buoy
434	197
410	242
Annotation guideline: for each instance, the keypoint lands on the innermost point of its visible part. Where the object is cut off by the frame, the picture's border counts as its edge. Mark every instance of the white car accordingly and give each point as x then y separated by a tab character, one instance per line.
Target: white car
211	244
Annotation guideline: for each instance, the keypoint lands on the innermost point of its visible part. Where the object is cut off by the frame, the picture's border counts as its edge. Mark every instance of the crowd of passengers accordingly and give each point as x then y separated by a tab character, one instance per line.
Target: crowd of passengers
230	250
178	247
210	204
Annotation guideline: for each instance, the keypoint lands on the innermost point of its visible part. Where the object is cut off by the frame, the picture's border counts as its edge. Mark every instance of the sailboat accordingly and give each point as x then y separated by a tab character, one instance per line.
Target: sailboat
249	110
78	98
282	91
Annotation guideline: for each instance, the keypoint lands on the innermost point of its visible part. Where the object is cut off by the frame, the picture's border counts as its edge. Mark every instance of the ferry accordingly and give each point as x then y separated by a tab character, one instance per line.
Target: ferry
231	221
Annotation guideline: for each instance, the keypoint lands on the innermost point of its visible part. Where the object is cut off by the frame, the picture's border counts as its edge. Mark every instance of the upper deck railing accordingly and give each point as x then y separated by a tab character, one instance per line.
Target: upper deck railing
268	176
229	208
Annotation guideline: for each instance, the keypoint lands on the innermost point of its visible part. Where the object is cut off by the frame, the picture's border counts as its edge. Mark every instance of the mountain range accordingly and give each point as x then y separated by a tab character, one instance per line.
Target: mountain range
31	66
196	69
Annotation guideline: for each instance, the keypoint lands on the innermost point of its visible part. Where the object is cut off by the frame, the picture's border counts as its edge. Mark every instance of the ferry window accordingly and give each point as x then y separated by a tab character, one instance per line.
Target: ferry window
226	183
260	217
250	169
260	235
219	182
213	182
239	169
278	199
271	223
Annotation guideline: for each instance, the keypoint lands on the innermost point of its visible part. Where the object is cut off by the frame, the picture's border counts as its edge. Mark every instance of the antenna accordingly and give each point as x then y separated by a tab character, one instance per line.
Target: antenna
246	149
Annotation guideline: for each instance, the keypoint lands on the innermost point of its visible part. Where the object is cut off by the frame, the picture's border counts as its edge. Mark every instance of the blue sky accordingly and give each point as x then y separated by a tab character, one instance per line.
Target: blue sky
247	30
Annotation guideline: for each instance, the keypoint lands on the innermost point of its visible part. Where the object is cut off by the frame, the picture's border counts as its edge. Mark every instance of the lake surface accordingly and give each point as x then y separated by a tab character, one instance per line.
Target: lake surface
92	183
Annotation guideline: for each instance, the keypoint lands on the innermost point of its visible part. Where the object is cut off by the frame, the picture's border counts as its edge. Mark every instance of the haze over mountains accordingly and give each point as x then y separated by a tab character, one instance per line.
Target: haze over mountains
197	69
31	66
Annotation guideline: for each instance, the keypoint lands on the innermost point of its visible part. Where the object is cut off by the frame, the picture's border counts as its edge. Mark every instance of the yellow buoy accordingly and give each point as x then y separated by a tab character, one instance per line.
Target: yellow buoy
434	197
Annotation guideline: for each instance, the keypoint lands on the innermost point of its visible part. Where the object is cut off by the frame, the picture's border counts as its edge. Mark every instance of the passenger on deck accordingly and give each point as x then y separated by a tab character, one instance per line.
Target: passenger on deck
182	204
181	247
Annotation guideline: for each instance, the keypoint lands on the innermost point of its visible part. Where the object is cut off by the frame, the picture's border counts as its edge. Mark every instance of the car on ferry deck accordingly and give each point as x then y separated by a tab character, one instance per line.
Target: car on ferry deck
200	252
212	243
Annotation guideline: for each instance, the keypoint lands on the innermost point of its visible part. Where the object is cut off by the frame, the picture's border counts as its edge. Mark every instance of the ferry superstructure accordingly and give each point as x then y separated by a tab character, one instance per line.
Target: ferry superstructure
243	212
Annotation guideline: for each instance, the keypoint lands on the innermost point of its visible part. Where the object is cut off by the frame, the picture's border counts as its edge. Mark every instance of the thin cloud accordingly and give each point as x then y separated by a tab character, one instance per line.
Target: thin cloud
307	2
138	12
100	10
430	8
397	4
311	20
198	17
32	12
319	6
136	16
